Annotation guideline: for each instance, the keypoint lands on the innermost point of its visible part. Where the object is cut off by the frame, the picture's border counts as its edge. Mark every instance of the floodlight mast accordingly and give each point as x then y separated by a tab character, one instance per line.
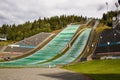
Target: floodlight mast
107	10
119	2
107	6
116	4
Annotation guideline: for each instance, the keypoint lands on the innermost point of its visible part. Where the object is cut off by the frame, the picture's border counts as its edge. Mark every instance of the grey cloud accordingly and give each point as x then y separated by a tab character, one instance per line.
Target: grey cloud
2	18
16	12
7	5
101	7
19	11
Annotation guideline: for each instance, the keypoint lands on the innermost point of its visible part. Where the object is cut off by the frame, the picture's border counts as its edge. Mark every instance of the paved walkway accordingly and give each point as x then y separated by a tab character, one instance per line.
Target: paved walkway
40	74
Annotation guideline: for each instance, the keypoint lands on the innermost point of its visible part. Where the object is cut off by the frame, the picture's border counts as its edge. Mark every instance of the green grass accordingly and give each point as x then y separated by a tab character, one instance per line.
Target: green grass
99	69
4	43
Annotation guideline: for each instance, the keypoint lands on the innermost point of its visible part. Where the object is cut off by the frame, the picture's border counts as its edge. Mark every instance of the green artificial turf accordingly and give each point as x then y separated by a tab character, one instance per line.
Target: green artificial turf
98	69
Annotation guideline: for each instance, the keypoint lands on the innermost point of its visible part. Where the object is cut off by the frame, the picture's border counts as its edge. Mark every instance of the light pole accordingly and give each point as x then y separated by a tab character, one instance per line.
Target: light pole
100	38
115	35
117	5
107	6
92	45
108	43
119	2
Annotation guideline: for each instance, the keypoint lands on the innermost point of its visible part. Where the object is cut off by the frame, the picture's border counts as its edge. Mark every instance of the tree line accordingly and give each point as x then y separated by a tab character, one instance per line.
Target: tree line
107	18
21	31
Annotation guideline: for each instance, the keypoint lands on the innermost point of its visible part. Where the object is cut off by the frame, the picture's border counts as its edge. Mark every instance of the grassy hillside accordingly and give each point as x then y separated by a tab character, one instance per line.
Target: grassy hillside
99	69
5	43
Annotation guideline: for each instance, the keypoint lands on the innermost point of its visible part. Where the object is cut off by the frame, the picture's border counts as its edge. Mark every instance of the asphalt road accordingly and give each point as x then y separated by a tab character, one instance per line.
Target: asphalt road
40	74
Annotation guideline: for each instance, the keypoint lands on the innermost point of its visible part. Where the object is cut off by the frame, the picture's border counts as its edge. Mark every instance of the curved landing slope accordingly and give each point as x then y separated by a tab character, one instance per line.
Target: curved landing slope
52	49
73	53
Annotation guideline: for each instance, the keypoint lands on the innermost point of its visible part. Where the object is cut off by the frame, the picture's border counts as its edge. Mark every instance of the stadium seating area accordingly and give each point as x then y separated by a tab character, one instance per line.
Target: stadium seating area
33	40
53	48
17	50
109	41
1	48
28	43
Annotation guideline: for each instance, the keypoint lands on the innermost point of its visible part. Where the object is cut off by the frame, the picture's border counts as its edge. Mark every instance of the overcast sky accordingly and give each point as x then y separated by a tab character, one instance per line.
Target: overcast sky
19	11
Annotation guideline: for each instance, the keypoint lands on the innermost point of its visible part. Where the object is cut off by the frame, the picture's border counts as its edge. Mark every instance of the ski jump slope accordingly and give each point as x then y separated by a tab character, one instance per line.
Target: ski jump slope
52	49
73	53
